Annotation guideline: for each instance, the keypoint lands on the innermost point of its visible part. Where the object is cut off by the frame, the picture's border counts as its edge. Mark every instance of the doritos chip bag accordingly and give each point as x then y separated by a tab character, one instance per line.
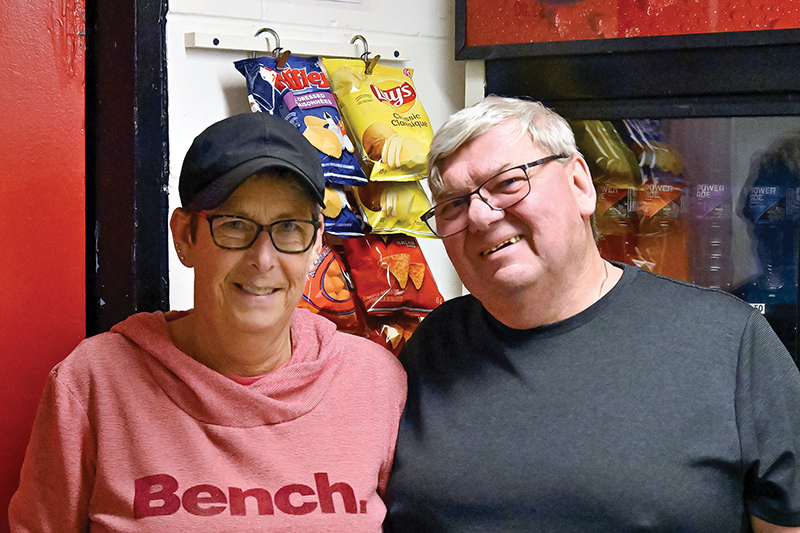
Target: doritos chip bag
327	292
391	274
299	92
385	117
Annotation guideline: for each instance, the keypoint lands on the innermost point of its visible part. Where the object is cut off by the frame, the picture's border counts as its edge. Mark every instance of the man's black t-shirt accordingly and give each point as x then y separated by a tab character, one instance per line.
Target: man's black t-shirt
662	407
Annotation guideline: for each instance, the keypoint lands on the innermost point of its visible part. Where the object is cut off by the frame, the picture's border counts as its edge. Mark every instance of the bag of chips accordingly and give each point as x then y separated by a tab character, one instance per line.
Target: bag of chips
390	274
385	117
299	92
395	207
327	292
610	160
340	217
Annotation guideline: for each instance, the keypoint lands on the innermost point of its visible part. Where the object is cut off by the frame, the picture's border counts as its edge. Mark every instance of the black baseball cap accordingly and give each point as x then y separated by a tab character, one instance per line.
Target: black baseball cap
230	151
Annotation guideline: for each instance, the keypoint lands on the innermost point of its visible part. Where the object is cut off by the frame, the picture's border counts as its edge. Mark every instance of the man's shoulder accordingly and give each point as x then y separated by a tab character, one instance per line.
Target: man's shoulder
680	306
680	292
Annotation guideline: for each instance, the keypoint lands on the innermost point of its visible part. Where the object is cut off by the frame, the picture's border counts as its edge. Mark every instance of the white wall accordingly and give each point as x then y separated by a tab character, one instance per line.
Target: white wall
205	87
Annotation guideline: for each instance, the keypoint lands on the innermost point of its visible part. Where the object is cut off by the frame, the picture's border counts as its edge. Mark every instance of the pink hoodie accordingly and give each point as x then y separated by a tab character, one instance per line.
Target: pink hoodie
134	435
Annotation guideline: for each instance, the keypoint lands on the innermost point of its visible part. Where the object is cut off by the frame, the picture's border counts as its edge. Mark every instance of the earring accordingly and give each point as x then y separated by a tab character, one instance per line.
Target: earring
180	254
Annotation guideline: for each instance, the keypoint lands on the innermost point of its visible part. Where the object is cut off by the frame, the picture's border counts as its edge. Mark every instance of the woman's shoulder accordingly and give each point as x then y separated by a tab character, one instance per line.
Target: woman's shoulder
361	351
112	353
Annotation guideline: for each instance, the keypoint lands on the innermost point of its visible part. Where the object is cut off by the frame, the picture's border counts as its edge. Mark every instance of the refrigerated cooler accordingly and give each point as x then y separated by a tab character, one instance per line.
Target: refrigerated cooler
713	201
688	114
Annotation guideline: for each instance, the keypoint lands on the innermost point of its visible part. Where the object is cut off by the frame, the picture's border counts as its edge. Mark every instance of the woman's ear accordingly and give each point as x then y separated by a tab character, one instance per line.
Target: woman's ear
316	248
181	226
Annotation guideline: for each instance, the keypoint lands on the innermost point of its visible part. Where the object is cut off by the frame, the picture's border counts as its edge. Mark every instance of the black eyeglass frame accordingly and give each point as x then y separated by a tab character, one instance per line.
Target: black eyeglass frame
259	229
525	167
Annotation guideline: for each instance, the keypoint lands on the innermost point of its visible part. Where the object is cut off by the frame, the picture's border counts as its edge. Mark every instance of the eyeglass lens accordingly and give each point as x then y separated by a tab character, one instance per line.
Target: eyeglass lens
500	192
289	236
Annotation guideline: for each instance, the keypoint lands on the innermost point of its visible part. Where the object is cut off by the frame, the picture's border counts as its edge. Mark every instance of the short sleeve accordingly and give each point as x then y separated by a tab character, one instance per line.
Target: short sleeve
768	418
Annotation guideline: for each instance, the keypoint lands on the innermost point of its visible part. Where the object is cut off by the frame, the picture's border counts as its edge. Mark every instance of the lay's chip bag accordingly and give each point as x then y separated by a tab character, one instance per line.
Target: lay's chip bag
299	92
394	207
385	117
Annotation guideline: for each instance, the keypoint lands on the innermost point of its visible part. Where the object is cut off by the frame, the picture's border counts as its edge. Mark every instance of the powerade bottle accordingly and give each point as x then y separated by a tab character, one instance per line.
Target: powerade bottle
773	209
662	238
772	206
712	235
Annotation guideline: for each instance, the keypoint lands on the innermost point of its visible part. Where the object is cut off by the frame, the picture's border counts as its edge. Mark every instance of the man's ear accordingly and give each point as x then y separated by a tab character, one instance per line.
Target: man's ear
181	226
583	187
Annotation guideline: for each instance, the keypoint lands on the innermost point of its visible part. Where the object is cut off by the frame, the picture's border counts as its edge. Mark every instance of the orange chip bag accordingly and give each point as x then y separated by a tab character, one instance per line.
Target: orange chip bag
381	267
327	292
382	112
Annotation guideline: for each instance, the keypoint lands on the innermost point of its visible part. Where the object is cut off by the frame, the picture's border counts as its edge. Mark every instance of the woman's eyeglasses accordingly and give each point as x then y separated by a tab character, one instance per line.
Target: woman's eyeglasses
237	233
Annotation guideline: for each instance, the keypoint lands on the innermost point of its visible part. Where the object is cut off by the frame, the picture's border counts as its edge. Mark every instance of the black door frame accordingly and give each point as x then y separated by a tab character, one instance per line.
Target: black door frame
127	160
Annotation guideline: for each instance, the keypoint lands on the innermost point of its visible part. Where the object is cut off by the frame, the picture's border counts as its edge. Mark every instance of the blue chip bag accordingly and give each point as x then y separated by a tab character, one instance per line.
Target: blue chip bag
340	217
299	93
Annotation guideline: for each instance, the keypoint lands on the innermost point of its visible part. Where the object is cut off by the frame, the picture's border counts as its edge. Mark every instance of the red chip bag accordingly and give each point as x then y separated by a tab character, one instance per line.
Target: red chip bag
327	292
390	274
391	331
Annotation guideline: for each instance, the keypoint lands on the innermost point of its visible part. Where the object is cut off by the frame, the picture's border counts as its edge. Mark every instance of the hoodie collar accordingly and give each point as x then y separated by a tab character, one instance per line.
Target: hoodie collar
285	394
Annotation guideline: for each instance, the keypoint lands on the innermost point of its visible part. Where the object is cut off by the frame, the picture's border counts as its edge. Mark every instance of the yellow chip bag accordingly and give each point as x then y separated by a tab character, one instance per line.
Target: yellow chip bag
383	113
394	207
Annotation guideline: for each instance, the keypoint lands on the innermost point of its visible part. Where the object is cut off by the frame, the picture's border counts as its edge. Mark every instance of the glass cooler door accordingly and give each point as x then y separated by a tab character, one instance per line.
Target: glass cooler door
714	201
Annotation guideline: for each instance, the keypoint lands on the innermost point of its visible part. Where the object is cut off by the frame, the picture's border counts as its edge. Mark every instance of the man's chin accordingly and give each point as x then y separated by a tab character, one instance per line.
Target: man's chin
507	280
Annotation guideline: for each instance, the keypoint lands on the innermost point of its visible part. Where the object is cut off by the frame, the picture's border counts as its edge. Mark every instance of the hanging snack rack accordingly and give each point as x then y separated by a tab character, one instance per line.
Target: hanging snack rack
259	43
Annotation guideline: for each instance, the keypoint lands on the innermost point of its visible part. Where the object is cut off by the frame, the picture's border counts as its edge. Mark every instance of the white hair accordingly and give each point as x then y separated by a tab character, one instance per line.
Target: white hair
548	130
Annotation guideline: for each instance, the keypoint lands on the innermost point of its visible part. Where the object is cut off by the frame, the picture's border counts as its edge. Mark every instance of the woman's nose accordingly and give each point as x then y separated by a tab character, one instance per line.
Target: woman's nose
262	251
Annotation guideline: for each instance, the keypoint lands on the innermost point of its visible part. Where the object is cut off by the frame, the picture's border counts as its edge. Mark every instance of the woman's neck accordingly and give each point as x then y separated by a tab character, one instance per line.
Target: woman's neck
242	354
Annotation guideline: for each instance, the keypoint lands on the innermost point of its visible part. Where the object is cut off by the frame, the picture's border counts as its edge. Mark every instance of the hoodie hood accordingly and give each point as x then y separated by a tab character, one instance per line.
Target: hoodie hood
280	396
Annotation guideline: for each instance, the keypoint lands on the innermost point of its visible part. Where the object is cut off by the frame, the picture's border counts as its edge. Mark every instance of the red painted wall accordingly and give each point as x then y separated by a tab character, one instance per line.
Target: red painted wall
534	21
42	243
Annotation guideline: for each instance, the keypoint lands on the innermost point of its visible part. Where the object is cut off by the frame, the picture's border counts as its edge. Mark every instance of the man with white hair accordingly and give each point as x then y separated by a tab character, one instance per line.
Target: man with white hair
570	394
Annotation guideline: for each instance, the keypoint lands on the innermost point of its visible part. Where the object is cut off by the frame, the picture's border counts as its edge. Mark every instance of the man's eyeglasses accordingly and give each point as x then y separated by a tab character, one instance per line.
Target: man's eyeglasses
237	233
499	192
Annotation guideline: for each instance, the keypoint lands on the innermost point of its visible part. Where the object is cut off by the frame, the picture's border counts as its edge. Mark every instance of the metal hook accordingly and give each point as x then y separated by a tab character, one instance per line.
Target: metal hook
277	49
365	55
369	64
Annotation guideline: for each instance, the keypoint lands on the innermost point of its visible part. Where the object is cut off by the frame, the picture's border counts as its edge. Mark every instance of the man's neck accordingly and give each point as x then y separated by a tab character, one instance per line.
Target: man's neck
548	303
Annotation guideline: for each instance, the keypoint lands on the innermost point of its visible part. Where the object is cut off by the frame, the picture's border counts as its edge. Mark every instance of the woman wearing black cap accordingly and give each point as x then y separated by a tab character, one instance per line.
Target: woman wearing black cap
242	414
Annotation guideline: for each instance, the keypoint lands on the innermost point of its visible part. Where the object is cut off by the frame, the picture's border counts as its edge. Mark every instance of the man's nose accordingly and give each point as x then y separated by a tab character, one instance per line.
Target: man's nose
480	213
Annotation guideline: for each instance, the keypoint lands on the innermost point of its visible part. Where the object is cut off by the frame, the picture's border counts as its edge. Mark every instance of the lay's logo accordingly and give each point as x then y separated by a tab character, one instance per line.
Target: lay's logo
399	96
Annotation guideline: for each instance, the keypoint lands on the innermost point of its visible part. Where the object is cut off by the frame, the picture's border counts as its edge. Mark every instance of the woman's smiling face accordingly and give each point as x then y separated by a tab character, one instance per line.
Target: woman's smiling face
255	289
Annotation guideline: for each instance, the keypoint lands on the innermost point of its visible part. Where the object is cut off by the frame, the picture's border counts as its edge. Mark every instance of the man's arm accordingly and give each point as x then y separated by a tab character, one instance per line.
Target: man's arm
759	526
